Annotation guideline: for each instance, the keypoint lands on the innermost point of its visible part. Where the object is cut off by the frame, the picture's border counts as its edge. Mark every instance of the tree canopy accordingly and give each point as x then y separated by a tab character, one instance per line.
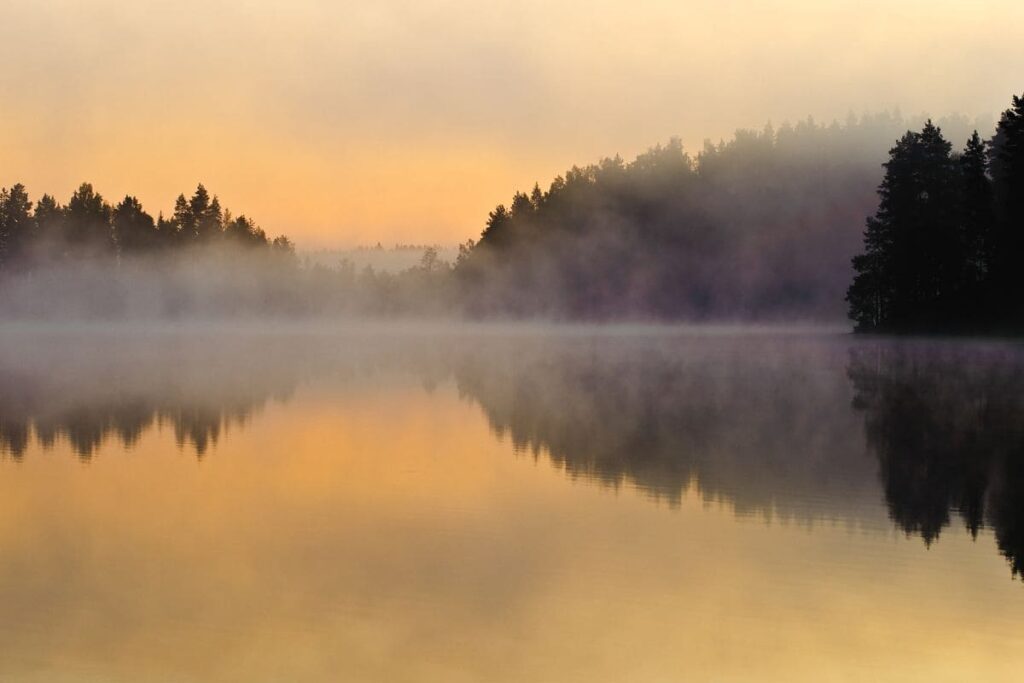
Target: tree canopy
88	226
762	226
942	252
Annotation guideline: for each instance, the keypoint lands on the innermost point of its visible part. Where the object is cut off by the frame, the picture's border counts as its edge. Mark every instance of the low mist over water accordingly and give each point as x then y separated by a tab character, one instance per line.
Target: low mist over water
377	497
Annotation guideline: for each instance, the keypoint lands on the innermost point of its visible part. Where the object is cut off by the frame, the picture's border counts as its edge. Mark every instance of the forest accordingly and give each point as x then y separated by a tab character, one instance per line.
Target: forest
87	259
766	226
88	226
941	253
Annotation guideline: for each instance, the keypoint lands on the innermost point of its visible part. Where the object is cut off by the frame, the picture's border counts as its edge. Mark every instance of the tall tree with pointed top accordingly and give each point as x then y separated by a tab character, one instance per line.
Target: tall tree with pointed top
209	219
976	211
1007	169
911	274
16	225
134	229
88	221
49	225
181	227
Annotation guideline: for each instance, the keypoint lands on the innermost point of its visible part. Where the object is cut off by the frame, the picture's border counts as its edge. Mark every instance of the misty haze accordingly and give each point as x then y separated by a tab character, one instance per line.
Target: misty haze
511	342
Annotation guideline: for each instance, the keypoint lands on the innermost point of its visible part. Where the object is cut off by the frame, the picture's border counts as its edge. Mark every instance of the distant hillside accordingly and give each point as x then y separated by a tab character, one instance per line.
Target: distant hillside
762	226
393	259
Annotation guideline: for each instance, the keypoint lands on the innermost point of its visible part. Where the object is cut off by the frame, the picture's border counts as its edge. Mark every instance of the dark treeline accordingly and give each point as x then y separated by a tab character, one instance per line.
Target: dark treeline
760	227
87	226
943	253
89	259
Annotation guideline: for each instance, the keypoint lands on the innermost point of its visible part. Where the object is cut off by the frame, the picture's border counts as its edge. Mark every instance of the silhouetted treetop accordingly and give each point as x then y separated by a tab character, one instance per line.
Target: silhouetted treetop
89	227
942	252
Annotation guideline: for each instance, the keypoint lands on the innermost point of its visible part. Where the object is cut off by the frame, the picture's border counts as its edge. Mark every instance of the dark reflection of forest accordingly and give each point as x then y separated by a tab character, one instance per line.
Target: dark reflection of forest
761	423
797	427
946	423
100	388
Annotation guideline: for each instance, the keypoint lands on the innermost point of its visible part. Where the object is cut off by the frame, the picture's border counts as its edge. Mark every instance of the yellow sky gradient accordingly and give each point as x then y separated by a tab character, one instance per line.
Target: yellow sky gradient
343	123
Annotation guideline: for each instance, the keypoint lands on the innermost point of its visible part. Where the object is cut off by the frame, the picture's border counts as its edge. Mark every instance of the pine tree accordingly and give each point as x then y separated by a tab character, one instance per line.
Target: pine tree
134	229
976	211
49	224
497	228
243	231
911	274
182	227
20	225
209	218
522	207
283	246
167	231
1006	158
88	221
4	231
944	257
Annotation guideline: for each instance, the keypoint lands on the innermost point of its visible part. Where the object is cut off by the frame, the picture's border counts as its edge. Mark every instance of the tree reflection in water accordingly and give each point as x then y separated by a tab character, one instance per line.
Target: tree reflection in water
775	426
946	423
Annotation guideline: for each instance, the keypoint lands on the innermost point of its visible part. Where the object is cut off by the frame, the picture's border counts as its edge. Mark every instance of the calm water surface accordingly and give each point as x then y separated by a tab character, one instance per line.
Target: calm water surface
496	505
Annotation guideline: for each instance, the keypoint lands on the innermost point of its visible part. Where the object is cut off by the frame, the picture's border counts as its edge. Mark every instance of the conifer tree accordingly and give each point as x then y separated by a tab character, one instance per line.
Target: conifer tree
182	228
49	223
976	211
88	221
495	231
1007	169
16	225
134	229
206	214
911	274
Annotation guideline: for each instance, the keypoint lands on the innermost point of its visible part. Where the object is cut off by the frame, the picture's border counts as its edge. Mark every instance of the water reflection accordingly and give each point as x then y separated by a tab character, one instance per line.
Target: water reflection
98	389
86	429
946	423
763	424
794	427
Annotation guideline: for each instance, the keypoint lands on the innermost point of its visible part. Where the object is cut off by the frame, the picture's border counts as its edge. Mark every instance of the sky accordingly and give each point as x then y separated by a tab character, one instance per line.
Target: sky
343	123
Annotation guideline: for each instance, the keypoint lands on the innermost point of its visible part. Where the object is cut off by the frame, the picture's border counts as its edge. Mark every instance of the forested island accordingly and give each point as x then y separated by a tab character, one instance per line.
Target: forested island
942	254
764	227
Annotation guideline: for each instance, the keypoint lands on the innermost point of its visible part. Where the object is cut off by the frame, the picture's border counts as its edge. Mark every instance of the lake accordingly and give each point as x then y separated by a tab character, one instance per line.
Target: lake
509	504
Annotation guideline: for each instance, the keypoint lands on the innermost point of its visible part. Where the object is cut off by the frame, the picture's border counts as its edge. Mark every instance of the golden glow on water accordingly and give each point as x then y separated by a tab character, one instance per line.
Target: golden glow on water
383	533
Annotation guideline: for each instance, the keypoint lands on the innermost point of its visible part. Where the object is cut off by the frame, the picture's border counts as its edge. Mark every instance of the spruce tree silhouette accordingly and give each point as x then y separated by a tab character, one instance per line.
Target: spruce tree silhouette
16	225
1007	169
205	215
134	229
914	272
88	227
243	231
87	220
977	232
941	254
49	227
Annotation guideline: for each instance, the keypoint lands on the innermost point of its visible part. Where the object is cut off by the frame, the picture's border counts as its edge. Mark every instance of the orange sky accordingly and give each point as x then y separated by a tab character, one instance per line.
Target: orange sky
343	123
